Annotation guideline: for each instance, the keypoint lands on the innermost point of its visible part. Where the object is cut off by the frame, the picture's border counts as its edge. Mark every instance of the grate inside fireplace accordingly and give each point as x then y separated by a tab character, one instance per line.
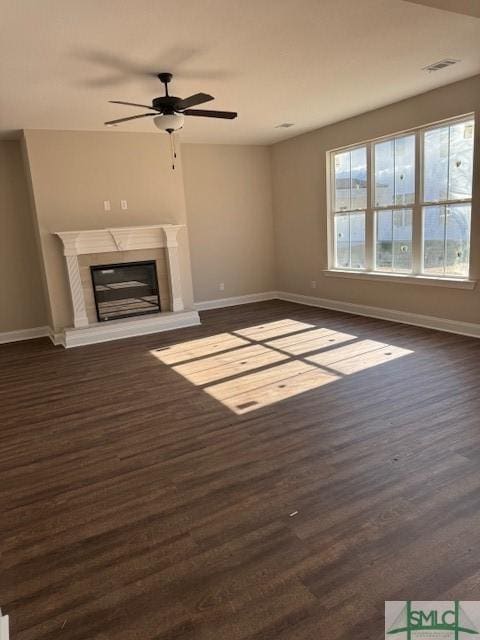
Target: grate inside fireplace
125	290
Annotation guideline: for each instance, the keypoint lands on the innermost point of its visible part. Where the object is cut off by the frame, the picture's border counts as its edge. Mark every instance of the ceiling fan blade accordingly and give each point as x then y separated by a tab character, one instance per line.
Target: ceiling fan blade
191	101
205	113
142	115
133	104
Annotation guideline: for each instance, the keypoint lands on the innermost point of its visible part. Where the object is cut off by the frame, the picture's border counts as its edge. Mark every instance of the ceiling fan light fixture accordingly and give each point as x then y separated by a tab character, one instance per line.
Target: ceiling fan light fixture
169	122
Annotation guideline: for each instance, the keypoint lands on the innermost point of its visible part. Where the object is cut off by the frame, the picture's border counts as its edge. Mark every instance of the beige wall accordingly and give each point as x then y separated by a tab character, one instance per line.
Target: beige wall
256	216
299	200
73	172
229	208
21	292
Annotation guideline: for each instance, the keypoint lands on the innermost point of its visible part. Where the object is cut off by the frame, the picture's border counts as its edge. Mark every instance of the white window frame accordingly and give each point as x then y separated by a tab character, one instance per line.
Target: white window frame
417	275
331	200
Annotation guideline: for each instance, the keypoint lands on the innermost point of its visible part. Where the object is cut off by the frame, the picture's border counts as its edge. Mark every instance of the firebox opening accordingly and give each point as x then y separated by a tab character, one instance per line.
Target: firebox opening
126	289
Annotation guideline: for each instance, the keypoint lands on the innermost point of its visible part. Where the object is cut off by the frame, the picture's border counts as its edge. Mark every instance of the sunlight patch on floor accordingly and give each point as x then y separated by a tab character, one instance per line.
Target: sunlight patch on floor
228	364
310	341
358	357
273	329
270	385
198	348
257	366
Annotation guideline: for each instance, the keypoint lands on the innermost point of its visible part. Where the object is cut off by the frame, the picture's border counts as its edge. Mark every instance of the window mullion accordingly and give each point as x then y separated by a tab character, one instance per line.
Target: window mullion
417	218
445	213
350	240
332	245
393	236
369	215
448	162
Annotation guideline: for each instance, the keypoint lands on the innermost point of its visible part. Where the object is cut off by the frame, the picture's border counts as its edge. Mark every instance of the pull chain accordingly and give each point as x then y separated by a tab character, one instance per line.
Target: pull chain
173	153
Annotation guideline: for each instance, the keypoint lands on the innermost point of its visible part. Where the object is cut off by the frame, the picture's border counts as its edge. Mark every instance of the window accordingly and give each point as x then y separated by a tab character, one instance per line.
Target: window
447	179
350	206
402	205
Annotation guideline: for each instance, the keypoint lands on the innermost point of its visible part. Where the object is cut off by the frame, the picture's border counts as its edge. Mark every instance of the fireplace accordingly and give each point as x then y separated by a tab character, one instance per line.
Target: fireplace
87	248
125	290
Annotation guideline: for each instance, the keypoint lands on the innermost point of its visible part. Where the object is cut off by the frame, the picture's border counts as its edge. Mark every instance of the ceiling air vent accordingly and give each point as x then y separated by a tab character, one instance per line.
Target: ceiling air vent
441	64
284	125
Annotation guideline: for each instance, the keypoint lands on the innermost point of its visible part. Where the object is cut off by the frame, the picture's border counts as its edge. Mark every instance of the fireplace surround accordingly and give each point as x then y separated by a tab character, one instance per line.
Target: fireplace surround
126	243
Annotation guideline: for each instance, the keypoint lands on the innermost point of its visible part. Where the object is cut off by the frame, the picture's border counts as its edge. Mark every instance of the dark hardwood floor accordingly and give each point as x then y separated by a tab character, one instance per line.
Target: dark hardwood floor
152	491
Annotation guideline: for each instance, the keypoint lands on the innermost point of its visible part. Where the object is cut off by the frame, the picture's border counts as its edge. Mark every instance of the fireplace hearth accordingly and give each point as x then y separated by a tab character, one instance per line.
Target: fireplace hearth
126	289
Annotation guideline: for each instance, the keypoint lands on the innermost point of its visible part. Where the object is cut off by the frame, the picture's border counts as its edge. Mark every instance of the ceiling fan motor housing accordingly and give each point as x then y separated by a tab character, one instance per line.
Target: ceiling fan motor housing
165	103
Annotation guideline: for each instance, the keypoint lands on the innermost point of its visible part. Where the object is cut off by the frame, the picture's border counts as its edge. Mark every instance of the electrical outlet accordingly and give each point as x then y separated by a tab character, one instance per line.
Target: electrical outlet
107	205
124	205
221	286
313	284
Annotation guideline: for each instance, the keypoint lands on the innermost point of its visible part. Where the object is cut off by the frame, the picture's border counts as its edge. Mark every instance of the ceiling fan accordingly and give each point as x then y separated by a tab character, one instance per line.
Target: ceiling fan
169	112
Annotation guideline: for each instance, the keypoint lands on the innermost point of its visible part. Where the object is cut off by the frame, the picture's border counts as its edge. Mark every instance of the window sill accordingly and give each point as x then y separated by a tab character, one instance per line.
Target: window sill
450	283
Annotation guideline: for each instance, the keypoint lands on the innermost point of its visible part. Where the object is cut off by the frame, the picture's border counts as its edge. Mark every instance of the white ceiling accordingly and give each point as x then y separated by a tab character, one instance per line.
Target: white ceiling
311	62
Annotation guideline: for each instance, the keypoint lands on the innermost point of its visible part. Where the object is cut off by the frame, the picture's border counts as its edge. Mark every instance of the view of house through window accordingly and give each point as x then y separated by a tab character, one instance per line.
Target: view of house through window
403	204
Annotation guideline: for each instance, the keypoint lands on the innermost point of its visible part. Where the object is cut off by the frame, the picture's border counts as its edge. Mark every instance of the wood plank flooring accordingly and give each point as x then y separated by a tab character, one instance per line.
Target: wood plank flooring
147	485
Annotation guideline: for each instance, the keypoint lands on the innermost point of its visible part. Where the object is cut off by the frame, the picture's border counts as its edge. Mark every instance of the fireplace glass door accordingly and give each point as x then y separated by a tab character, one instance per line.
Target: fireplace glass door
125	290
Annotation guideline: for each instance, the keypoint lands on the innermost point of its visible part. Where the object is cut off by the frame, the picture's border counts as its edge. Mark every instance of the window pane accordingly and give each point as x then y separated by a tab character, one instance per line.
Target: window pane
351	179
447	240
461	161
435	167
395	171
448	162
434	240
384	173
358	163
394	241
405	170
457	240
357	240
342	181
350	240
384	248
342	241
402	240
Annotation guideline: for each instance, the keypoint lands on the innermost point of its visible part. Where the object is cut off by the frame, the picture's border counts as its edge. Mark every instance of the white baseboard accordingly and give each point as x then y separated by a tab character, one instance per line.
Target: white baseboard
404	317
58	339
24	334
110	331
126	328
233	301
4	633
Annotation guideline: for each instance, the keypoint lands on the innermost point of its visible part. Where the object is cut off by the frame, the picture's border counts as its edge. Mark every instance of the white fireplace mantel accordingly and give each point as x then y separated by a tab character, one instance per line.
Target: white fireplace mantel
118	239
156	236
